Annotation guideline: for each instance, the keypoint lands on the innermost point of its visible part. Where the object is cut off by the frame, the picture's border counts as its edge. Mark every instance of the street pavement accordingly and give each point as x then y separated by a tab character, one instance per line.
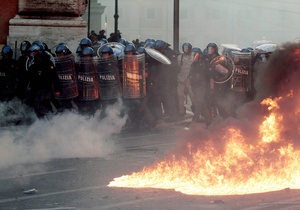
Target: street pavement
81	183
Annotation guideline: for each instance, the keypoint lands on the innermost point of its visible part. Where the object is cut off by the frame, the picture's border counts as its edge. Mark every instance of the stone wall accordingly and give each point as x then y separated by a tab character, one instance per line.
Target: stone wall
8	10
51	32
49	8
51	21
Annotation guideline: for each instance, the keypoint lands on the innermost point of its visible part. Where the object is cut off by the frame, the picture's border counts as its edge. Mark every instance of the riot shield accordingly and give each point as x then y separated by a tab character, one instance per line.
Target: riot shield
266	48
222	68
65	67
87	80
242	77
134	81
108	77
156	55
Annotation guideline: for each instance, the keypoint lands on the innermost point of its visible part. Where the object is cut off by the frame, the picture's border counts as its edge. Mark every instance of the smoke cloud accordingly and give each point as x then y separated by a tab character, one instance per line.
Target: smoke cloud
66	135
280	74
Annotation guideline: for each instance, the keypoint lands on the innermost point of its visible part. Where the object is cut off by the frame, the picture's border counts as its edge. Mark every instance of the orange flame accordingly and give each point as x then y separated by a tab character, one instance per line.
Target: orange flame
270	128
238	168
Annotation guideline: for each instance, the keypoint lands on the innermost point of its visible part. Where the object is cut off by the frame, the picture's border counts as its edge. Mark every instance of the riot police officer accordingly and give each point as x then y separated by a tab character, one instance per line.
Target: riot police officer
212	51
168	80
199	79
43	85
108	74
184	89
65	66
8	74
88	92
218	91
148	118
133	105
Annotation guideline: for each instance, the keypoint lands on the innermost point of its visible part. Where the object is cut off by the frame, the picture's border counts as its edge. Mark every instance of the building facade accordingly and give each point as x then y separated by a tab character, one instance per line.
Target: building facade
239	22
8	10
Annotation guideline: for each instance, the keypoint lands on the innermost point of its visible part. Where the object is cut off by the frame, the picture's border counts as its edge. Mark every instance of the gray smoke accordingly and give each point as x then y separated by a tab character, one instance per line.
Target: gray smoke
66	135
280	74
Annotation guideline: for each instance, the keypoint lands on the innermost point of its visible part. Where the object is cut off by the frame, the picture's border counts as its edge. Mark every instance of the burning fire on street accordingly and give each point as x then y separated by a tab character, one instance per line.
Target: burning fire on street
240	157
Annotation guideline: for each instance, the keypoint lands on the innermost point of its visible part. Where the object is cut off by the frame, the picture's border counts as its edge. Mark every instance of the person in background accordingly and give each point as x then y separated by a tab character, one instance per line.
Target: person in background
101	35
184	89
114	37
93	33
136	43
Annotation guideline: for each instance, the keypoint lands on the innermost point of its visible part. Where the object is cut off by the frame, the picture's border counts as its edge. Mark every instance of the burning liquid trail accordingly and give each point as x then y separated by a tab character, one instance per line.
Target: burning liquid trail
232	165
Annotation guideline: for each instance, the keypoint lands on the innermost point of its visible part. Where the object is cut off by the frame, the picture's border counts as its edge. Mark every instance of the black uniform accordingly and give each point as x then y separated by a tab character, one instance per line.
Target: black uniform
199	78
153	91
219	94
22	76
8	78
43	84
168	84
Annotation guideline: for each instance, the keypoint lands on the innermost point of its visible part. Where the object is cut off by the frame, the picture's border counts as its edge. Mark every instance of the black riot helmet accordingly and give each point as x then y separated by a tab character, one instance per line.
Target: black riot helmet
87	52
106	49
149	40
160	45
141	50
102	41
36	49
24	47
187	47
7	52
85	42
246	50
79	50
130	49
40	44
197	49
196	53
141	44
150	44
212	46
62	49
122	41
